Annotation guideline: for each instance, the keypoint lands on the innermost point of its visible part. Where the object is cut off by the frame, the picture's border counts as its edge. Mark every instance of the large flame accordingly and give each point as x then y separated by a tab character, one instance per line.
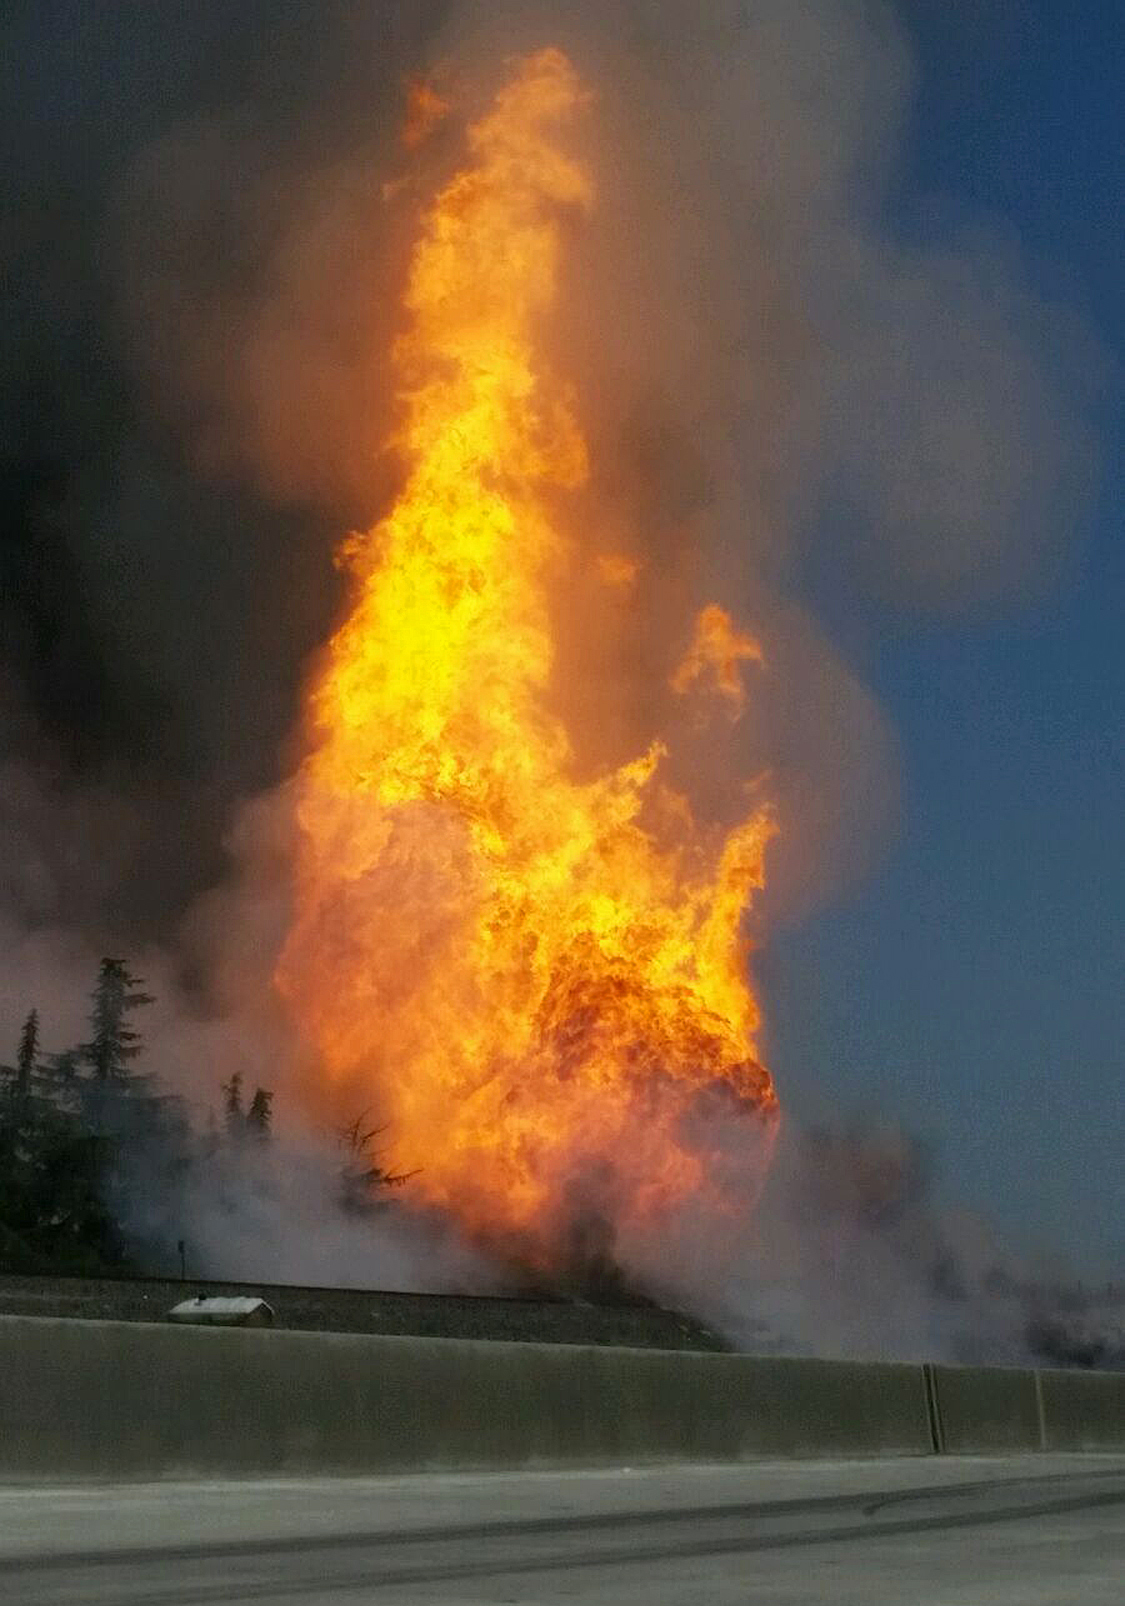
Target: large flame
537	980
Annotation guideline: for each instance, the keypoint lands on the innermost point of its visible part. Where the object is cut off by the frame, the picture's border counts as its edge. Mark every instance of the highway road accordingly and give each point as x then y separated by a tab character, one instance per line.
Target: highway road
1044	1530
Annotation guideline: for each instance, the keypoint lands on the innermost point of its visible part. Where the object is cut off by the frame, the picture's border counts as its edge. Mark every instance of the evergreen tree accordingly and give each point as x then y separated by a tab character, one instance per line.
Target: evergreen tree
27	1057
61	1074
233	1112
363	1177
114	1042
88	1147
52	1216
259	1116
136	1135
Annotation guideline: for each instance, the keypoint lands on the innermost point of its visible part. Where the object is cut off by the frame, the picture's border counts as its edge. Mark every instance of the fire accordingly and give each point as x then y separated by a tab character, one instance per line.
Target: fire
536	979
425	109
718	648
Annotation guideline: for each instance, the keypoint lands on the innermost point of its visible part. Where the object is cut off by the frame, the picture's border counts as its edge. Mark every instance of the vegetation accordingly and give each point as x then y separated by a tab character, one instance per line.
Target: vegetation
363	1177
95	1154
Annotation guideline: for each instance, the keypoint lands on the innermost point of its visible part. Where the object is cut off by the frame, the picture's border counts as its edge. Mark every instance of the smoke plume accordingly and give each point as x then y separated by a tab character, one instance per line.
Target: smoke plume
203	282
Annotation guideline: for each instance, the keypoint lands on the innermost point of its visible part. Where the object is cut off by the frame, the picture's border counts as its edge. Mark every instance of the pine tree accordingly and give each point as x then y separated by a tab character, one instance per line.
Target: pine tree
52	1215
114	1041
259	1116
232	1107
363	1178
89	1140
61	1073
27	1057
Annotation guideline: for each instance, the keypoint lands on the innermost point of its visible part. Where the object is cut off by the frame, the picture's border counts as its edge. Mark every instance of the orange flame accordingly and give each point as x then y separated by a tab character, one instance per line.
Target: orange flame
537	979
717	650
616	571
425	109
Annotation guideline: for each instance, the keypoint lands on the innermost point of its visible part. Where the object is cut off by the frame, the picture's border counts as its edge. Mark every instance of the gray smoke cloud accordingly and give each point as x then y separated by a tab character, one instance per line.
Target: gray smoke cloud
850	1254
766	369
769	374
203	281
275	1214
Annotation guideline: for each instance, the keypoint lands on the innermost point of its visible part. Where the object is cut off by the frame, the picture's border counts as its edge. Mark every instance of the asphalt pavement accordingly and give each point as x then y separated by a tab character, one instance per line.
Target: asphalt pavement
1045	1530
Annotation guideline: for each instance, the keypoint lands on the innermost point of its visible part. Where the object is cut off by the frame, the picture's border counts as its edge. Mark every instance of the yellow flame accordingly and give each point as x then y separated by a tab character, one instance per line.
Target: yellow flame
537	980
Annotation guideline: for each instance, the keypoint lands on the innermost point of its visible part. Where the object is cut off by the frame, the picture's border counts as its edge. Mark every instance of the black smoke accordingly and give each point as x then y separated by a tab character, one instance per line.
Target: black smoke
156	608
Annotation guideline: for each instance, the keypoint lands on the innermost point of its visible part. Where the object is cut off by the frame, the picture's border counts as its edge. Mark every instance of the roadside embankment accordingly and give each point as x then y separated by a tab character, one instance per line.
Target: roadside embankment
525	1319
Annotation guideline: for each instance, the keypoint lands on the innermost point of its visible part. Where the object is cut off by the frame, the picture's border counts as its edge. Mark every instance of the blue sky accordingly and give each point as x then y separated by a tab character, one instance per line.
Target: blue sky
974	985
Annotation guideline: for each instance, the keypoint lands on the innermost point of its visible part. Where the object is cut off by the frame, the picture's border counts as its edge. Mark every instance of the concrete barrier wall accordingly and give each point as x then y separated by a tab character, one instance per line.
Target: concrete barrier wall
982	1408
129	1400
116	1399
1083	1410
